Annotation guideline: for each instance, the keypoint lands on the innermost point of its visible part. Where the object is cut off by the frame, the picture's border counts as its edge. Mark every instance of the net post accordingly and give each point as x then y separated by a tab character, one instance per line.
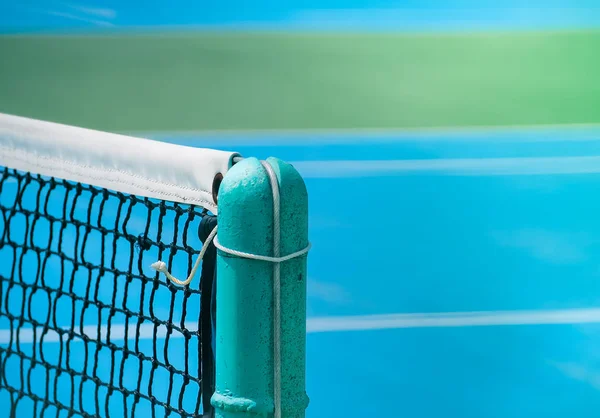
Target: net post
245	311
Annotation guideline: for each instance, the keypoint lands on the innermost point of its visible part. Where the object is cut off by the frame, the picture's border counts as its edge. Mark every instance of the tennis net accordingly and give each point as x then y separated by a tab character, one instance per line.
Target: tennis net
86	327
98	233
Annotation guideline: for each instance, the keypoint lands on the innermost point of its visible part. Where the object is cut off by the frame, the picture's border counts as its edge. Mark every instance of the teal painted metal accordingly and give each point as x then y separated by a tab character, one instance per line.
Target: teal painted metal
244	335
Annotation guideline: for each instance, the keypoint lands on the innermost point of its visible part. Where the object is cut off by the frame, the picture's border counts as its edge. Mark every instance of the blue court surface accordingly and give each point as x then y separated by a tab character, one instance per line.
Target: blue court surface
452	274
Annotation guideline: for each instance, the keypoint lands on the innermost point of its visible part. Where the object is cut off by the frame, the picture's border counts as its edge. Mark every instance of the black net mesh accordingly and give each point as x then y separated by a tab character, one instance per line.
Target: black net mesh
86	327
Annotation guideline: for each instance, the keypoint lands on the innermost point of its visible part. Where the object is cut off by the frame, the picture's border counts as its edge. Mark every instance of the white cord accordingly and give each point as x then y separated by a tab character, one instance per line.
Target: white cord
276	291
162	266
261	257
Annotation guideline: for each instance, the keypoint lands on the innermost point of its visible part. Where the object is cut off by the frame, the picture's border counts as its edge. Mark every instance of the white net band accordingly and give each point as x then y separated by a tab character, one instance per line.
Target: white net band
122	163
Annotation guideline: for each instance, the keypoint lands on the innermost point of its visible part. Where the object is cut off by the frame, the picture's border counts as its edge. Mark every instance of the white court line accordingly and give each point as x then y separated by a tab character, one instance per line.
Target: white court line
298	136
117	332
355	323
454	319
521	166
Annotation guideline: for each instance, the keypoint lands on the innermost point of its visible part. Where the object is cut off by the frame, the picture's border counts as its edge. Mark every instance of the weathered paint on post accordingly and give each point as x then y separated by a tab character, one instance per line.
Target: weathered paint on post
244	335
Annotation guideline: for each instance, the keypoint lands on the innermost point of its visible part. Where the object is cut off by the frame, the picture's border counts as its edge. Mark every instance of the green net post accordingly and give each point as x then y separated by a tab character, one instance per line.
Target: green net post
245	327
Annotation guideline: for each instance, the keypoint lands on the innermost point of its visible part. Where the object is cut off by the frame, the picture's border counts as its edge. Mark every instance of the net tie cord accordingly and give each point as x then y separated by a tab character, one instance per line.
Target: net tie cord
276	259
161	266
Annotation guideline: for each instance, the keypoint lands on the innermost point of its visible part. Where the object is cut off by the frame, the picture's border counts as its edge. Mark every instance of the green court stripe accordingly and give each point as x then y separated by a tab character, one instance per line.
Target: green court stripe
342	134
296	81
